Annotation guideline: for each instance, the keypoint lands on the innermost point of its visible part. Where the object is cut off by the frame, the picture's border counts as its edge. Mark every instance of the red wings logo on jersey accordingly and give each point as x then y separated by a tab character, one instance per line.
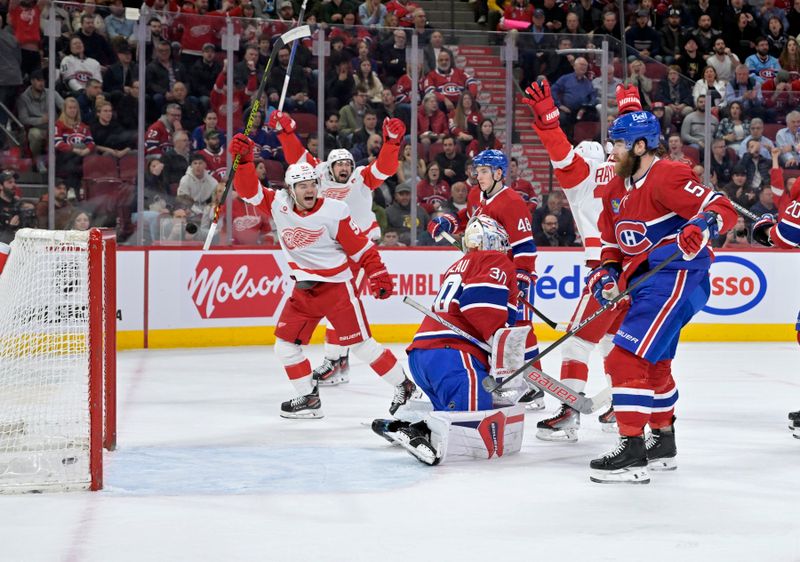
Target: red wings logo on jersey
338	193
300	237
632	237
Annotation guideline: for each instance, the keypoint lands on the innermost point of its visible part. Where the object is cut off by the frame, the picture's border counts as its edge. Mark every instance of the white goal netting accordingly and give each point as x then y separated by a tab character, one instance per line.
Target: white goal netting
45	420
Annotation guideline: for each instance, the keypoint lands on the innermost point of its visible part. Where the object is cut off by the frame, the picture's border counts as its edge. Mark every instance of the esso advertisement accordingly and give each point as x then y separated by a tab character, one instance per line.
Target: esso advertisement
737	285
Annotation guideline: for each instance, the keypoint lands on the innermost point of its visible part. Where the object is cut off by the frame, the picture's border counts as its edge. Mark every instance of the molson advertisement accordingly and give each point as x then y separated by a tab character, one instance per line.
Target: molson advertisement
176	297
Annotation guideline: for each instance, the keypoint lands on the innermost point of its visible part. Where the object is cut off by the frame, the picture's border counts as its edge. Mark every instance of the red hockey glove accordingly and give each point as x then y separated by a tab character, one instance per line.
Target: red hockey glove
281	121
628	99
380	284
695	234
542	105
242	146
761	229
393	131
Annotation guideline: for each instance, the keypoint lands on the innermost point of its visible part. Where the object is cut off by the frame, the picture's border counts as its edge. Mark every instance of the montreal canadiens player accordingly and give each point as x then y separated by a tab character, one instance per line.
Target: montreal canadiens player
503	204
340	179
479	296
318	237
652	209
783	232
583	173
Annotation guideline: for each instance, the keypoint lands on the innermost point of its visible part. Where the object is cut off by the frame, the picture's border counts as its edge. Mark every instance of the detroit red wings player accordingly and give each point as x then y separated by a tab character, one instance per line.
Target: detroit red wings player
340	179
318	237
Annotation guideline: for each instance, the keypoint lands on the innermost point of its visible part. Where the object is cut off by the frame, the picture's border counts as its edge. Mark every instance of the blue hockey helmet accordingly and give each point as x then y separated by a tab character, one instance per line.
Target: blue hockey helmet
634	126
493	159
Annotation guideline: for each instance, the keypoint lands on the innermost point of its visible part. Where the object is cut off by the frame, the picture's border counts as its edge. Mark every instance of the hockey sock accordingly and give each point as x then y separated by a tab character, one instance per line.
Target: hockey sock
574	366
381	360
666	394
632	397
297	367
333	350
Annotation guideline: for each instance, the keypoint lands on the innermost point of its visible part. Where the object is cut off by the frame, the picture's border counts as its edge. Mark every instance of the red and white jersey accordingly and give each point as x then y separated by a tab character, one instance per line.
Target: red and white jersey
316	243
506	207
158	138
640	216
450	85
356	192
479	295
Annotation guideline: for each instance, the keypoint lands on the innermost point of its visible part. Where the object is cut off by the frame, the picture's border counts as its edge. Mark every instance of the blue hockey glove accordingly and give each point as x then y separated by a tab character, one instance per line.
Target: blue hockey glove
602	282
444	223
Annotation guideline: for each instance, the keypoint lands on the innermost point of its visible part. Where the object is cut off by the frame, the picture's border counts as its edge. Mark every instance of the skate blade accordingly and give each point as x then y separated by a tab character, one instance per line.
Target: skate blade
334	380
558	435
796	434
659	465
422	453
535	405
310	415
609	428
633	475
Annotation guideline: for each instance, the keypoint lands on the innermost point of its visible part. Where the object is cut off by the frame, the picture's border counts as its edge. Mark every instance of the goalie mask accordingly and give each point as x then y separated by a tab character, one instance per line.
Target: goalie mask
297	173
485	233
338	155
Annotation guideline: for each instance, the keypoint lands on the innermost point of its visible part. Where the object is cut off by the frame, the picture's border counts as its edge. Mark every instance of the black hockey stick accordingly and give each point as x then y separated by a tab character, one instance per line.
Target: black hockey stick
453	242
293	34
529	371
541	380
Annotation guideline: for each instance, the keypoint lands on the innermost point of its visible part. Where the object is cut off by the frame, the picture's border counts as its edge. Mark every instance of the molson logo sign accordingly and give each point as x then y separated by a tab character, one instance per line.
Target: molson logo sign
236	285
737	285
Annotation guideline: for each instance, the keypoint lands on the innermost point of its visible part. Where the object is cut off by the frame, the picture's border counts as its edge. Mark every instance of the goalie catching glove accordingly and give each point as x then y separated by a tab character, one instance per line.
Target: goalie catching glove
541	102
378	279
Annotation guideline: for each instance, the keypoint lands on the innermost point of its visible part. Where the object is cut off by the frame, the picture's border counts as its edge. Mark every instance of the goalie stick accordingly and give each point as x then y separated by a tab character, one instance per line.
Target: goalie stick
294	34
453	242
542	380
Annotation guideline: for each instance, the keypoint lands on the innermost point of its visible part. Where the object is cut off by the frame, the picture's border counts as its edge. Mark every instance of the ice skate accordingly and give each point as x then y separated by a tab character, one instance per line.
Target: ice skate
383	427
625	464
308	406
661	450
561	427
403	392
793	417
333	371
608	421
416	440
533	399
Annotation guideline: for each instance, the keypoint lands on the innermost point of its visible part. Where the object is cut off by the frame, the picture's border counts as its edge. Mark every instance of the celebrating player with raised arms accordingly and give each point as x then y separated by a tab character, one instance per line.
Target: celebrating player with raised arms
479	296
341	179
498	201
651	210
318	236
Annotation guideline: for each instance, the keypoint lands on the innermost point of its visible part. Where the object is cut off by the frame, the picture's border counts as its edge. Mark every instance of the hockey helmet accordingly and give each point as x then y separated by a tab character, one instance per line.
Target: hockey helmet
337	155
492	158
634	126
591	151
485	233
302	171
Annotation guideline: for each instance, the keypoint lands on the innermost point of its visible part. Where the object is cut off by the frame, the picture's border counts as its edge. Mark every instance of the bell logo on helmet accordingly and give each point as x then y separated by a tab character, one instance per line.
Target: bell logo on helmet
639	117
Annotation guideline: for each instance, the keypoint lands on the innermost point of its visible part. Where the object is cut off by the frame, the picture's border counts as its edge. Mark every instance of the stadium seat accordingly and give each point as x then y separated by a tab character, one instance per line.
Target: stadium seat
655	71
275	171
99	166
733	155
128	168
771	130
306	123
586	130
434	150
692	154
790	174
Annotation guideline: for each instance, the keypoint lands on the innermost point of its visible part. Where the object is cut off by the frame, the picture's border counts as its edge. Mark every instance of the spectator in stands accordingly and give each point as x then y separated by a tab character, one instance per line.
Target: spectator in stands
405	171
431	121
335	10
391	239
788	140
248	65
609	26
369	127
120	76
522	186
161	74
89	8
394	58
458	198
372	13
780	94
195	29
88	99
721	163
705	35
723	61
675	148
776	36
637	75
197	185
737	237
297	95
333	139
312	145
756	165
117	25
241	97
63	207
398	217
421	27
157	195
606	93
734	127
706	8
23	52
451	162
742	35
365	153
575	97
539	56
73	141
159	135
351	116
464	121
362	48
573	28
79	220
794	19
32	112
191	115
176	159
340	86
389	109
77	69
556	204
790	57
157	33
642	38
709	86
448	82
364	75
589	15
203	73
745	89
691	62
762	65
175	228
9	206
766	201
95	45
676	96
756	133
672	36
109	137
548	234
554	16
214	155
432	190
127	107
693	128
430	54
485	140
738	190
404	10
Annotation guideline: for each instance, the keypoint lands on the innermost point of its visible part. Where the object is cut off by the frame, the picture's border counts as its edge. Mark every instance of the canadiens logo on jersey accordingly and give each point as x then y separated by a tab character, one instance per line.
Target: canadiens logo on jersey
632	237
300	237
338	193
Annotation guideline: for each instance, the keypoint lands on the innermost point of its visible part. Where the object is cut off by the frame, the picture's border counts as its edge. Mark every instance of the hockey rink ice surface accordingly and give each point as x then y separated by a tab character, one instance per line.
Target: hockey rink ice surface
207	470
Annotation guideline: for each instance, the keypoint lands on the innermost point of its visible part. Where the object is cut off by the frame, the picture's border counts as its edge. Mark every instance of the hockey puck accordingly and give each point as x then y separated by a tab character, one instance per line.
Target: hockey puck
69	460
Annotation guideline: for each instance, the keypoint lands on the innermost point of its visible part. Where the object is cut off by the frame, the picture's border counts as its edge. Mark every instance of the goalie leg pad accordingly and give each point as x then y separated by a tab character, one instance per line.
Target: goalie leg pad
477	435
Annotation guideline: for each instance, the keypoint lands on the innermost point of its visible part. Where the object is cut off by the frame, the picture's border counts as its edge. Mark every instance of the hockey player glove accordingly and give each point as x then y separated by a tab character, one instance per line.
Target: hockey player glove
393	131
524	282
695	234
761	229
243	146
378	279
444	223
542	105
602	282
628	99
281	121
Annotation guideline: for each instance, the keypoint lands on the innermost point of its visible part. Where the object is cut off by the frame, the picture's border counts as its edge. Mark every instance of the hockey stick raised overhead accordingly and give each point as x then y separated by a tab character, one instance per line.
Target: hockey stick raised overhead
547	383
291	35
453	242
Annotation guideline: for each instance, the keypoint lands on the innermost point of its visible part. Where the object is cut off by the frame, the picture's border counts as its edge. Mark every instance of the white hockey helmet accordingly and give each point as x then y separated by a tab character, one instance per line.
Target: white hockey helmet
302	171
485	233
591	151
337	155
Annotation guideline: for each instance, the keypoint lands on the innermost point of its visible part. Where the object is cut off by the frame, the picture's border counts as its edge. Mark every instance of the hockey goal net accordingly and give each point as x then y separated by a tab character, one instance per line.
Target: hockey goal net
57	360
